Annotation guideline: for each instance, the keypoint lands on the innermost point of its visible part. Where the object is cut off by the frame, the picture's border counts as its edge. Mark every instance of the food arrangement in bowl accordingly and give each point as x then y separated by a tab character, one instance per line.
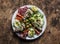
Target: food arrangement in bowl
28	22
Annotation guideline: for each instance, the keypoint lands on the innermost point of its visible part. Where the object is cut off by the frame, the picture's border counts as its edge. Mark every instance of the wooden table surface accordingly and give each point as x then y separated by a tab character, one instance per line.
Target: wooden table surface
51	8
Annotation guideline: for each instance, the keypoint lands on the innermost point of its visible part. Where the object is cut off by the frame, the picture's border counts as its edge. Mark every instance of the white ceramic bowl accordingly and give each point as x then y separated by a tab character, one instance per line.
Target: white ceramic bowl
44	26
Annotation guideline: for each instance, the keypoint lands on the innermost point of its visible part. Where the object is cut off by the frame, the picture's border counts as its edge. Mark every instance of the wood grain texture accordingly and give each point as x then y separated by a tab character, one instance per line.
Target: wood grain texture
51	8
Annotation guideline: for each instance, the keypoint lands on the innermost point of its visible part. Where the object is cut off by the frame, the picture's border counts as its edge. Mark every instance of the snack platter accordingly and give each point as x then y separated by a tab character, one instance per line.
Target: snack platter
29	22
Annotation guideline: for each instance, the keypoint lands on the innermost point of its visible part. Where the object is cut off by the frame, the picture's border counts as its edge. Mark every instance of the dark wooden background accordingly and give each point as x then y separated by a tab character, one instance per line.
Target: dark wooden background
51	8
